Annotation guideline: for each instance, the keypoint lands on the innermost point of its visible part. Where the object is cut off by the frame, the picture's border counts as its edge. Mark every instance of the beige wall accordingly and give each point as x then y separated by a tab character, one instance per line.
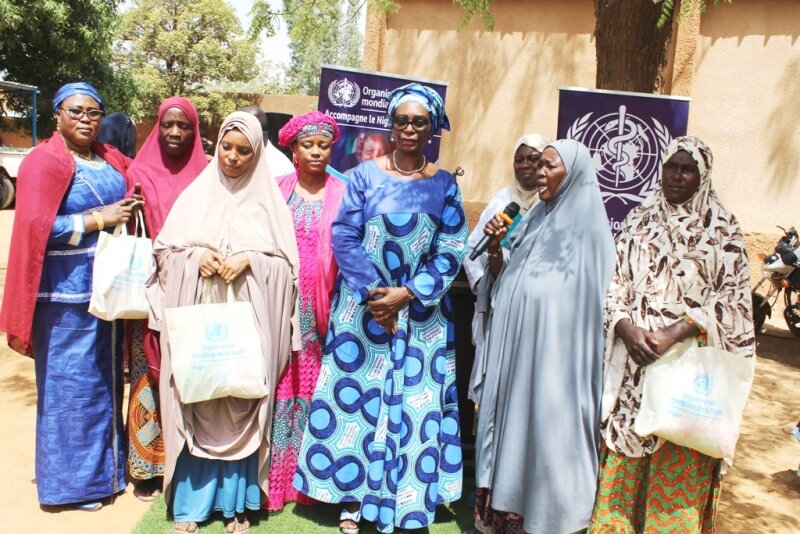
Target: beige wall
291	104
739	65
502	84
746	106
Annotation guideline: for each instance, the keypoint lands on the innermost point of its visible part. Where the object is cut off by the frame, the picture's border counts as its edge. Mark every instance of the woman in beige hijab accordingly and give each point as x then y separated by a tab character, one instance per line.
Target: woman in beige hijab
230	226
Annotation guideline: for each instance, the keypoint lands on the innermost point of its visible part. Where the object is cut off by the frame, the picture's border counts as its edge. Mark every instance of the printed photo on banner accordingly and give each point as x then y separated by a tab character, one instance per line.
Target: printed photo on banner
627	134
357	100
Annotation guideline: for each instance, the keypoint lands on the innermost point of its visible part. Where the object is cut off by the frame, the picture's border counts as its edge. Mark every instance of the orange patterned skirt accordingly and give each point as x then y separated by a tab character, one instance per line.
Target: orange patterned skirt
675	489
146	441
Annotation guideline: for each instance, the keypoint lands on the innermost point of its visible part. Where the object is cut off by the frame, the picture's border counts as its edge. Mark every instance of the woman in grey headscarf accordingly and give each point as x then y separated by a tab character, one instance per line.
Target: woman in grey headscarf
538	379
523	190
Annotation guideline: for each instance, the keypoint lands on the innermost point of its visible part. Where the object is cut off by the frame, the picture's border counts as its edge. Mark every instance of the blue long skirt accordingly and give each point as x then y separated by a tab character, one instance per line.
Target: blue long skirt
80	450
203	486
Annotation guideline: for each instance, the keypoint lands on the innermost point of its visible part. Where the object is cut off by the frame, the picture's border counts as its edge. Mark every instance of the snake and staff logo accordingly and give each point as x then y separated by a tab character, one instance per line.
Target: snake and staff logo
626	151
344	93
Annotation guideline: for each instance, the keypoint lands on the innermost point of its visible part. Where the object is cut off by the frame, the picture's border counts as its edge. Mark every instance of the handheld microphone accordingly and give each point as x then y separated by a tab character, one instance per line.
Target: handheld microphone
507	215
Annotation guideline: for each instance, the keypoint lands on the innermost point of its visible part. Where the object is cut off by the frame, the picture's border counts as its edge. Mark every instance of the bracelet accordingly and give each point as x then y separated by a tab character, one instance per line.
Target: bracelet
496	254
98	217
411	295
694	324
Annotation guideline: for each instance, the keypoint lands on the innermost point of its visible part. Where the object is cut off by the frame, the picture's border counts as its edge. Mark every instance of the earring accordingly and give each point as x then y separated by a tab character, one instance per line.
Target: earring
391	138
430	140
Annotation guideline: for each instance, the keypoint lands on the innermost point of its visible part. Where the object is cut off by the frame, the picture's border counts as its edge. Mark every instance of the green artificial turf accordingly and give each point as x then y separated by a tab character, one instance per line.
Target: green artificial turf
323	518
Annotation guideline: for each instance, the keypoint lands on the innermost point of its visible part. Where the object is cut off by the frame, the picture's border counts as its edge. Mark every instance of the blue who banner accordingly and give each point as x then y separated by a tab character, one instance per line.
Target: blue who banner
627	134
358	100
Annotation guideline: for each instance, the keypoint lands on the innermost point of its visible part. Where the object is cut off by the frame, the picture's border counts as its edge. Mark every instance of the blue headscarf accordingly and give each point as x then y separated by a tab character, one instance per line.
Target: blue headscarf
77	88
427	97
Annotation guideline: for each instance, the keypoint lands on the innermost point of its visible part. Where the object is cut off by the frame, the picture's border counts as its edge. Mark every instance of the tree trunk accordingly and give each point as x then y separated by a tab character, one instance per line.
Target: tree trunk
631	49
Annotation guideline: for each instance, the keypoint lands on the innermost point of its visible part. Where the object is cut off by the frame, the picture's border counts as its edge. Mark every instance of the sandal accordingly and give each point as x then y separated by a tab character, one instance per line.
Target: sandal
185	528
239	525
346	519
143	494
91	506
146	490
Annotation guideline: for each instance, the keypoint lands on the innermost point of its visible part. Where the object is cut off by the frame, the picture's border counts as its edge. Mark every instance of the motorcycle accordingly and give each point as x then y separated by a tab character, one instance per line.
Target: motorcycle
782	272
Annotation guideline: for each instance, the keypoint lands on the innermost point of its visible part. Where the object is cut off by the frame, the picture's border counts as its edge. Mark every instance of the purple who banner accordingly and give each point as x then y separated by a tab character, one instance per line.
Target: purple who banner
627	134
357	100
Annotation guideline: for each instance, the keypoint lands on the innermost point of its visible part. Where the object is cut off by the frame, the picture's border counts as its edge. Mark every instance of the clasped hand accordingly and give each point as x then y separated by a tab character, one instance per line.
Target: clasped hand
212	263
389	301
645	347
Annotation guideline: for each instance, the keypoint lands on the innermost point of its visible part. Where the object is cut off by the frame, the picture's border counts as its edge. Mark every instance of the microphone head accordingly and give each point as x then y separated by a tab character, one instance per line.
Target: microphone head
512	209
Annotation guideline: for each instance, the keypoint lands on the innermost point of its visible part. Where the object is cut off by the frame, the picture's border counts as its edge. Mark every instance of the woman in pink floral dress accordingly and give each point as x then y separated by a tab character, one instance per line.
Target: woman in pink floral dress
313	197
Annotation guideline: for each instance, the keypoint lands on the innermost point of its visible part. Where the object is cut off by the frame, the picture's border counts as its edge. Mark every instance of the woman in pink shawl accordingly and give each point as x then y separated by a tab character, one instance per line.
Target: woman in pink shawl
170	158
313	197
229	226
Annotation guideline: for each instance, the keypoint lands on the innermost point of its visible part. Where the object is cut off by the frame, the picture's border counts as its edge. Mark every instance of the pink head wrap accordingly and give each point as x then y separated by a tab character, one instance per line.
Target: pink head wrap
313	123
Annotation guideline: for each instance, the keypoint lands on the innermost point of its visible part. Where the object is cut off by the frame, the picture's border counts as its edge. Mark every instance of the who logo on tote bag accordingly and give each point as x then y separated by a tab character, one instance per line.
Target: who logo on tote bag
122	265
216	349
695	396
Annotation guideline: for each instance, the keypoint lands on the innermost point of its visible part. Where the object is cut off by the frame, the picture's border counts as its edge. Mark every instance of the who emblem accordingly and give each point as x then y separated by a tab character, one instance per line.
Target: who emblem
626	151
702	384
216	332
344	93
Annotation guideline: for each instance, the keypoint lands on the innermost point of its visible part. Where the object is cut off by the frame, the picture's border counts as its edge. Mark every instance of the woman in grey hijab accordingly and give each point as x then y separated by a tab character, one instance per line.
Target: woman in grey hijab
539	378
523	191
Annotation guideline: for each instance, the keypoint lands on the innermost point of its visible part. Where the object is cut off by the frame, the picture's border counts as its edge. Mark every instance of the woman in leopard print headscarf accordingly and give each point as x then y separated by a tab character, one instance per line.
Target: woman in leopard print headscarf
681	269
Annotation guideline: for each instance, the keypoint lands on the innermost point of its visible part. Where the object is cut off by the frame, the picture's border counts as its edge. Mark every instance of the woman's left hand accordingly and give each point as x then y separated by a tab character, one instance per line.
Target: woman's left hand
393	299
664	339
674	333
233	266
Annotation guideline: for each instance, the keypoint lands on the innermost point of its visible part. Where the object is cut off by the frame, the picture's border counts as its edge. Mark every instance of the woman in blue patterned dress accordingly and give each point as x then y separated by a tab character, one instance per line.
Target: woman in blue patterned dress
383	431
70	189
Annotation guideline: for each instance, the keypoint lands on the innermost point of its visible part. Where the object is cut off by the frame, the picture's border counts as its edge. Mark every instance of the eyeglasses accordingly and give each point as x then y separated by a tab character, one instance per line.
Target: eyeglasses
401	121
77	113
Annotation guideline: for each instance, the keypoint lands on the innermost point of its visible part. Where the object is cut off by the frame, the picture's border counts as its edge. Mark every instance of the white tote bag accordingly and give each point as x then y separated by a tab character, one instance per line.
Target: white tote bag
122	265
695	396
216	350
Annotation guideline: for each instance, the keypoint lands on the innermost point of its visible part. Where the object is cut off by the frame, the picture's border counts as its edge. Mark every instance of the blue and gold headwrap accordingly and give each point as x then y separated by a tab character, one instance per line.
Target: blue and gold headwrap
77	88
427	97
